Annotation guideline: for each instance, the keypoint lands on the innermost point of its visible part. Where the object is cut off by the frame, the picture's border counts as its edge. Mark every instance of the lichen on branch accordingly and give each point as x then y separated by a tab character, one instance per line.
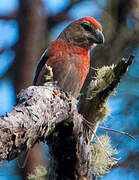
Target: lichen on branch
46	113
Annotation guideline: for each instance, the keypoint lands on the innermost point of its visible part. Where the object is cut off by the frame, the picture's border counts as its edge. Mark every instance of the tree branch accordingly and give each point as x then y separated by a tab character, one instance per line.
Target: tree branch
45	113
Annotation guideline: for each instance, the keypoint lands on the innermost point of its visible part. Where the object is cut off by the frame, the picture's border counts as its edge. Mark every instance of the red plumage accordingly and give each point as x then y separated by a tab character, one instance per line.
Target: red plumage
93	21
69	58
69	55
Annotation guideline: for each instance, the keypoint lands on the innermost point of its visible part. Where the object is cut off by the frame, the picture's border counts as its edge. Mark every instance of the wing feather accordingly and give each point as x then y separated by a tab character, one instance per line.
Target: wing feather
40	65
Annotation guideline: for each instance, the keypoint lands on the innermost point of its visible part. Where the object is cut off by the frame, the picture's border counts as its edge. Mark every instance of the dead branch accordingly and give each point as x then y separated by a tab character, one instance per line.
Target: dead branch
37	110
45	113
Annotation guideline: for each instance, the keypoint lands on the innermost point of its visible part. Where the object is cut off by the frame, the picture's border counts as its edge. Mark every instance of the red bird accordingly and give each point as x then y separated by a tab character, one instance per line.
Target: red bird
69	58
69	55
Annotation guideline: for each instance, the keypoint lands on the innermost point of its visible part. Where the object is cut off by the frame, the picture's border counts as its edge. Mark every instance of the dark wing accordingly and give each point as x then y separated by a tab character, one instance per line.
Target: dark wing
40	65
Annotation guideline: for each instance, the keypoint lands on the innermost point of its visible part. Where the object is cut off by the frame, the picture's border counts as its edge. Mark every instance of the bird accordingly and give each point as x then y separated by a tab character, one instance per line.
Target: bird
69	58
69	55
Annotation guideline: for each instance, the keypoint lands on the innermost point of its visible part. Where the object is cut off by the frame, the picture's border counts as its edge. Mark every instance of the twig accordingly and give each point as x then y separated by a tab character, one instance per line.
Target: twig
117	131
99	141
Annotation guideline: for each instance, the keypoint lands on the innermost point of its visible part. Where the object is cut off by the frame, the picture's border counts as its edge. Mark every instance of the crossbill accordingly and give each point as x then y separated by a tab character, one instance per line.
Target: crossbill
69	58
69	55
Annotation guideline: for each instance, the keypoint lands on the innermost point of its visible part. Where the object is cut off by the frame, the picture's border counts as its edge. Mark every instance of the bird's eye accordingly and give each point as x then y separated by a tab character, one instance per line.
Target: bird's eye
86	27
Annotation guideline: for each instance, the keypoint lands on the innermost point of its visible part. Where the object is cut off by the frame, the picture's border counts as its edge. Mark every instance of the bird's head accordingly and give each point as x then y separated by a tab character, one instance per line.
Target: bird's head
85	32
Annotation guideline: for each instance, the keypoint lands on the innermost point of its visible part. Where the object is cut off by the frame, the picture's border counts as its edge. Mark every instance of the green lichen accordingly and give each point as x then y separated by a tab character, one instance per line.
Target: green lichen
102	152
39	173
103	112
48	76
104	77
106	73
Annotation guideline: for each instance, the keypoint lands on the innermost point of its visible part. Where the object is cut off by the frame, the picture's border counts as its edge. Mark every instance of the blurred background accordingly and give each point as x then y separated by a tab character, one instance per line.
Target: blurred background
27	27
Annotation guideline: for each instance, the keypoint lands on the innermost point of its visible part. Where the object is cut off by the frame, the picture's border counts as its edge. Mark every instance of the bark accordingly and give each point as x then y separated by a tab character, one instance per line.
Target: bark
31	23
45	113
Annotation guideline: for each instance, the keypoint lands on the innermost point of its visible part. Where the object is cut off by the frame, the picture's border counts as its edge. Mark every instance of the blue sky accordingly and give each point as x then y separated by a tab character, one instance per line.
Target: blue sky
8	6
9	36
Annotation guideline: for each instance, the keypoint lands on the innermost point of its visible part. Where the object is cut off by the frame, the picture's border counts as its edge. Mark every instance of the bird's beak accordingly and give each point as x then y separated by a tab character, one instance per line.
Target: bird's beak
99	37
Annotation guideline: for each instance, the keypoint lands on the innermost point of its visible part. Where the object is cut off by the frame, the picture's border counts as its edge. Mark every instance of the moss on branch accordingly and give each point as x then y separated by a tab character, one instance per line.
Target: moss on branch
46	113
